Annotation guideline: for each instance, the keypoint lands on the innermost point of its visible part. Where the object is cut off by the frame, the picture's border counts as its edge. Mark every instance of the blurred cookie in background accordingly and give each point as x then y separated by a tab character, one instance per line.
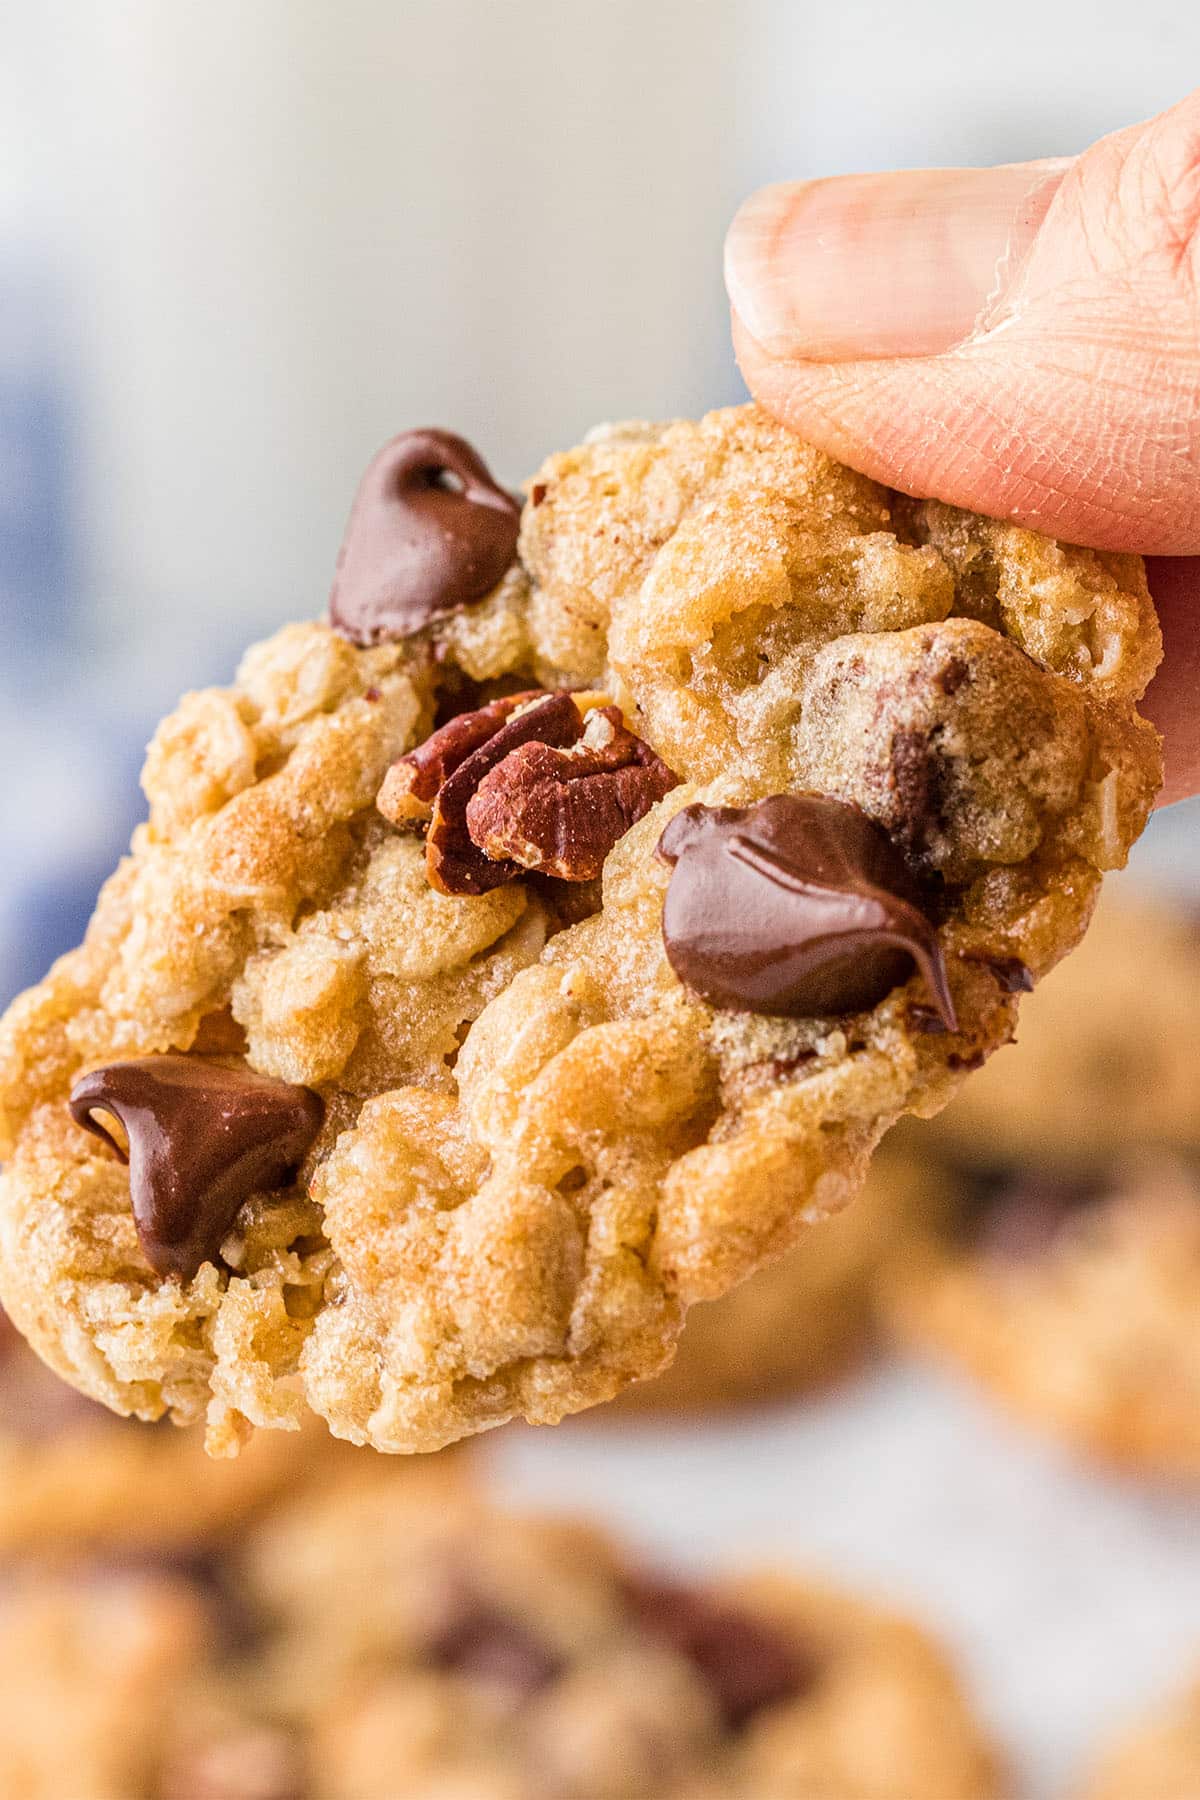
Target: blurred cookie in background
1075	1300
1158	1760
1107	1051
74	1474
798	1324
1062	1266
92	1664
401	1639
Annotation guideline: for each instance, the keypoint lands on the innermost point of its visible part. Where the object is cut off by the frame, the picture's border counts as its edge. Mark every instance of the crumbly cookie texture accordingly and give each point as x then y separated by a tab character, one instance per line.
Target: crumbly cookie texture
1157	1760
802	1321
403	1638
1109	1051
538	1147
1076	1304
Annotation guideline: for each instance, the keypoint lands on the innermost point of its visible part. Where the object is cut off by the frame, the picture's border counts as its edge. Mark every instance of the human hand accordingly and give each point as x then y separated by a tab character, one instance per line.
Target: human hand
1023	341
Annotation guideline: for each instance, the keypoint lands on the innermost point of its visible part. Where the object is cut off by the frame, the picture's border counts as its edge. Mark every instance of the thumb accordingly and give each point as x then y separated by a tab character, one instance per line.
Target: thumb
1023	341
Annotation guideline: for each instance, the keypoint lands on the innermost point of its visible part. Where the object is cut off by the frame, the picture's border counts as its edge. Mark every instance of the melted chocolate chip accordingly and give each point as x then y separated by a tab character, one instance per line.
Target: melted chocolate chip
202	1139
1012	975
429	531
798	905
1016	1215
747	1663
490	1646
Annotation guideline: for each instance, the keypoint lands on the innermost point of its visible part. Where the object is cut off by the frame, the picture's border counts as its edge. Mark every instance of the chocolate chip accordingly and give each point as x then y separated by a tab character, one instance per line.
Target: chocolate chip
918	776
489	1646
1016	1215
429	531
953	673
202	1138
1012	975
799	905
747	1663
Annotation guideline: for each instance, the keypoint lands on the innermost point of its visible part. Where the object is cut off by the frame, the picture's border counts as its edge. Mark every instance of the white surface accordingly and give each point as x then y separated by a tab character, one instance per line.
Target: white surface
1071	1600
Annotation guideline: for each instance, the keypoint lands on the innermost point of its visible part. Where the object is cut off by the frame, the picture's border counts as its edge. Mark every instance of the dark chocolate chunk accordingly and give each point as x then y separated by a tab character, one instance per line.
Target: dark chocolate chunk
429	531
489	1646
799	905
202	1138
748	1663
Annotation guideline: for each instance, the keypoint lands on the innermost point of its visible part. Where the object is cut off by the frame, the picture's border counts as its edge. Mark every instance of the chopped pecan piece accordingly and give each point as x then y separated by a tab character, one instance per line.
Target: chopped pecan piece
531	782
562	810
411	785
456	865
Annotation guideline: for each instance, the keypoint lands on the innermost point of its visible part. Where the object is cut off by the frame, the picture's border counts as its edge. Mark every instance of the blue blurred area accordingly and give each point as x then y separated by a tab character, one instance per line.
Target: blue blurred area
38	573
45	891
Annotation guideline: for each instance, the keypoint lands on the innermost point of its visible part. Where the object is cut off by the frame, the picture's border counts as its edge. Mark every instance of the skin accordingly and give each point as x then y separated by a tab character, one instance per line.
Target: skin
1023	341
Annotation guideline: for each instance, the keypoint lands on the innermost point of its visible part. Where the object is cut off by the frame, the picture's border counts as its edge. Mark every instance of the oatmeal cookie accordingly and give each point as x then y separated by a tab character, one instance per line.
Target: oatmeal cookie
449	1647
1158	1760
802	1321
1074	1299
542	944
1109	1051
406	1641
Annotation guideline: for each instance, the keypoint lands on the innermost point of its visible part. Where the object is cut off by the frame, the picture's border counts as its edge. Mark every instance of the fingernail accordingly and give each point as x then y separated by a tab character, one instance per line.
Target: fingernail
876	266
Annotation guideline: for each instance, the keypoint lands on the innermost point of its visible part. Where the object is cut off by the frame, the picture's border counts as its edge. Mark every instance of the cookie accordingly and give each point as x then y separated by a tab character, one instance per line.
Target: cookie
1075	1300
91	1663
803	1321
1109	1049
542	944
1158	1760
72	1475
408	1641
